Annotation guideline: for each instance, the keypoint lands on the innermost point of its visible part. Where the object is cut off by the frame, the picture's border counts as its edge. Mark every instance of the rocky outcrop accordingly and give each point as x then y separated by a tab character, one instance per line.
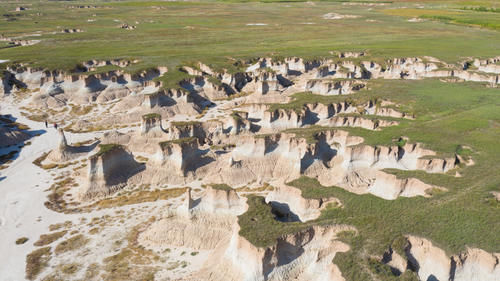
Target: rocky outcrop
92	65
264	83
80	88
398	68
63	152
211	89
11	134
476	264
326	87
342	114
108	171
298	256
491	65
151	125
290	204
10	137
179	130
332	157
200	224
357	121
179	156
432	263
210	223
406	68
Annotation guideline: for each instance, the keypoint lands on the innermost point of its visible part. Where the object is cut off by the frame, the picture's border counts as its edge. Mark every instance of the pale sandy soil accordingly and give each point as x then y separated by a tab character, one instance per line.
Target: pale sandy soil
23	191
22	213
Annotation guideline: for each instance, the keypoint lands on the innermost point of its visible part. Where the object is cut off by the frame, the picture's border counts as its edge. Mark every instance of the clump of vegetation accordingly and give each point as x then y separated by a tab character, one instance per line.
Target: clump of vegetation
57	226
71	244
464	152
141	159
482	9
236	115
151	116
138	197
46	239
264	187
37	261
83	110
259	226
214	81
94	230
56	201
21	240
106	148
401	142
92	271
38	161
221	186
313	191
70	268
38	117
173	78
399	245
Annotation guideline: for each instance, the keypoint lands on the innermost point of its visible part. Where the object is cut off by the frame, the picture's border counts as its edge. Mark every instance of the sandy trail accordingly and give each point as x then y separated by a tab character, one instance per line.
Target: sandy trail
22	213
22	197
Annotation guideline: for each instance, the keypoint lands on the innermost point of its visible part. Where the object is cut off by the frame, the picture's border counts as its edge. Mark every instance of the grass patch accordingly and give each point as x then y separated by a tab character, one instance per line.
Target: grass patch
36	262
21	240
138	197
81	110
57	226
106	148
55	199
46	239
38	161
132	262
222	186
151	116
71	244
70	268
259	226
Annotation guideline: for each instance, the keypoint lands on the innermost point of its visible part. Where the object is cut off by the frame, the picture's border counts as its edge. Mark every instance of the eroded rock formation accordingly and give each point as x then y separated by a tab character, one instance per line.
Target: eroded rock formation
432	263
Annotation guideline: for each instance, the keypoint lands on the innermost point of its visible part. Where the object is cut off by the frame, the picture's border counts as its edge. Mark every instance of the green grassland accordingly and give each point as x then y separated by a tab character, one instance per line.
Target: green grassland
448	115
170	33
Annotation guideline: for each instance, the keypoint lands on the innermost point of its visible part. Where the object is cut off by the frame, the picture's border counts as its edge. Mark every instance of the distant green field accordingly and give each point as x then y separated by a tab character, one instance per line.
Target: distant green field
169	33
